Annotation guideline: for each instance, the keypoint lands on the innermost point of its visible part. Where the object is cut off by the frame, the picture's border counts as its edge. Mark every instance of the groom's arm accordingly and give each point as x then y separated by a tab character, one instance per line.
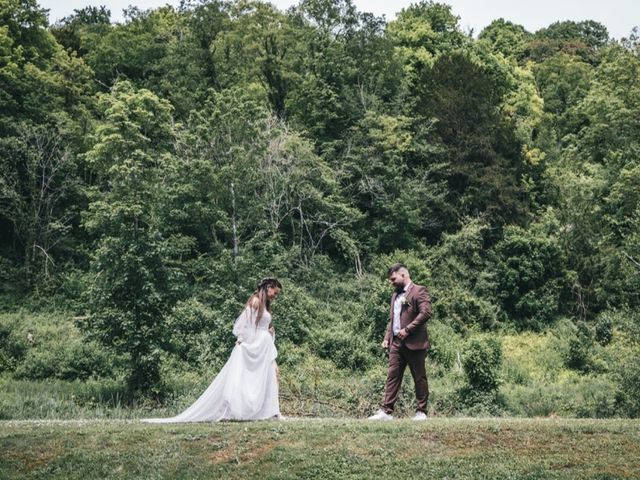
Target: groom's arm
387	334
424	310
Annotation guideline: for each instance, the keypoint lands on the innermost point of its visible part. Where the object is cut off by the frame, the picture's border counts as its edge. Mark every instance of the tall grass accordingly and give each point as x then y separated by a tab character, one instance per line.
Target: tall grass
534	379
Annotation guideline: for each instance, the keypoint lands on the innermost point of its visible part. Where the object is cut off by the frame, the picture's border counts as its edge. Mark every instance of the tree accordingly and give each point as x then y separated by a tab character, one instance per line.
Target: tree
343	67
134	286
563	80
254	49
302	198
37	188
71	32
583	39
422	31
528	272
506	38
385	175
594	169
484	165
45	99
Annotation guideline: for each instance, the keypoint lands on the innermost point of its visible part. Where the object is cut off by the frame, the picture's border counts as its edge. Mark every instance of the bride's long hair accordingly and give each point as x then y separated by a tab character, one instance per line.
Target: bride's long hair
260	295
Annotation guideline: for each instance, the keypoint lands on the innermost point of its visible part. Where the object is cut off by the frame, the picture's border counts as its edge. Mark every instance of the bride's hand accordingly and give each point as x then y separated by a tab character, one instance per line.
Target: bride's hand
272	331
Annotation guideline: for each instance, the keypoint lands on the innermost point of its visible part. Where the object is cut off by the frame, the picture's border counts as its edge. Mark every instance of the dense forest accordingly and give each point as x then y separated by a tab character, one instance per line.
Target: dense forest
152	171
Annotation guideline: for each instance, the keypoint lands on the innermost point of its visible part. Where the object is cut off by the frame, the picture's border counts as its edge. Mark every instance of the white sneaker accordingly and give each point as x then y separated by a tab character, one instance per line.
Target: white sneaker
381	415
420	416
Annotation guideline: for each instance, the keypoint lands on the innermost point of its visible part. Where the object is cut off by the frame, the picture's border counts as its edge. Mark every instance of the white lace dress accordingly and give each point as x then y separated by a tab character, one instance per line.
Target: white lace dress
247	387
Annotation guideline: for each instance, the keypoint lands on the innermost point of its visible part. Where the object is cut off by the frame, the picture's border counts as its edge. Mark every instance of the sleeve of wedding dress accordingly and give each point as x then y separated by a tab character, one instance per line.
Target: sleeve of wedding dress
244	326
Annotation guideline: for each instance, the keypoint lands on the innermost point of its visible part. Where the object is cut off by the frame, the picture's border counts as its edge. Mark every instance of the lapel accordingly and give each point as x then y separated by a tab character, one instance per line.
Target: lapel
407	294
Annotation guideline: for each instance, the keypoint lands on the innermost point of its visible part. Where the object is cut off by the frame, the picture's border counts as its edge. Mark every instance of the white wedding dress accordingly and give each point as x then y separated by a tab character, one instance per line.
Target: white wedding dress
247	386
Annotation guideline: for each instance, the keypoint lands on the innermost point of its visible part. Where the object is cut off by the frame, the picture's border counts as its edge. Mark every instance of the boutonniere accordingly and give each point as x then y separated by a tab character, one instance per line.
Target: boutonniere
405	302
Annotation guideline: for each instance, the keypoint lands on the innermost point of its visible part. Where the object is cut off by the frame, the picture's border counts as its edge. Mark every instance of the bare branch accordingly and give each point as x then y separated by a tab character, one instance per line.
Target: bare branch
632	260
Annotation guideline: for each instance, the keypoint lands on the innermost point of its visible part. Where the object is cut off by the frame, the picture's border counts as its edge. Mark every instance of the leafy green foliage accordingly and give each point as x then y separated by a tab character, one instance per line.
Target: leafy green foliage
580	347
134	287
528	271
478	145
506	38
578	38
152	170
629	382
482	362
12	349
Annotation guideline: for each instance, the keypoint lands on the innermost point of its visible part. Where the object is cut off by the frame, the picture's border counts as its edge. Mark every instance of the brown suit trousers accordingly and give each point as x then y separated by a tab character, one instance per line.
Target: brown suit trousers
399	357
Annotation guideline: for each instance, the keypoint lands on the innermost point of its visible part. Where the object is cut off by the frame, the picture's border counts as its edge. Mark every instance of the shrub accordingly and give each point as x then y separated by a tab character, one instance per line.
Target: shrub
572	394
72	360
629	385
460	308
293	312
482	363
527	272
445	344
581	345
344	347
373	318
604	330
201	335
12	348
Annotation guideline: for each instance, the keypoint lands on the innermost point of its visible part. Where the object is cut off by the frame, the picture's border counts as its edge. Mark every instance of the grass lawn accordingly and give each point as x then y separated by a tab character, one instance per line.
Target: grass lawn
323	449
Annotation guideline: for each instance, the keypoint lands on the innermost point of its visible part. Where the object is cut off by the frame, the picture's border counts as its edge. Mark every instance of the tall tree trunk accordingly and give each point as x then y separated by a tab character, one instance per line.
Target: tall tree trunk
234	223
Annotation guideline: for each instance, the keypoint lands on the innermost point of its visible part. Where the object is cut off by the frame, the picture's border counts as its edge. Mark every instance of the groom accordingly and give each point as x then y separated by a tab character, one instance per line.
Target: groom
407	341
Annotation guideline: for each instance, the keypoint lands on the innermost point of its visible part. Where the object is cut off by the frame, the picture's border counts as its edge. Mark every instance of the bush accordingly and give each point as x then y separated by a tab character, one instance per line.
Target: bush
581	350
69	361
293	312
344	347
604	330
200	335
373	317
38	346
12	348
482	363
445	344
571	395
316	387
527	272
629	386
12	282
461	308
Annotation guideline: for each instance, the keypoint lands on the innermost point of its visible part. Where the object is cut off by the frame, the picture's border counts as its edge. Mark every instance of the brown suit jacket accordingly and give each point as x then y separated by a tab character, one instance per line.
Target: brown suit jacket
413	316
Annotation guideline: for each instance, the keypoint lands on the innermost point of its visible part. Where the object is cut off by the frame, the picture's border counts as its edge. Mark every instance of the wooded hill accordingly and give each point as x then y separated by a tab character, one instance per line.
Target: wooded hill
153	171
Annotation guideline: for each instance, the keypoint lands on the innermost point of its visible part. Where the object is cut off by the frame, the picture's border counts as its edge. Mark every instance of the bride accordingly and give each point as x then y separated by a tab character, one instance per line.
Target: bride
247	386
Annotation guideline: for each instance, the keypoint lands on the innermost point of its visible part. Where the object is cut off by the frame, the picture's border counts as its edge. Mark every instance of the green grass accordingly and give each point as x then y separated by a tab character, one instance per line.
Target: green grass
326	449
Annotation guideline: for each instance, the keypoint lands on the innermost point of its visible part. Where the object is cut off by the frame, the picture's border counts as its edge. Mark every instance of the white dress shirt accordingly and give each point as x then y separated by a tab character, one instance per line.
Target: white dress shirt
397	307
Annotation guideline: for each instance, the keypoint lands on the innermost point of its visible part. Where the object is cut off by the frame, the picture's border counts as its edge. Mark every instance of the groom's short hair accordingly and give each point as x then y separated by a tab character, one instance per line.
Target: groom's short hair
397	267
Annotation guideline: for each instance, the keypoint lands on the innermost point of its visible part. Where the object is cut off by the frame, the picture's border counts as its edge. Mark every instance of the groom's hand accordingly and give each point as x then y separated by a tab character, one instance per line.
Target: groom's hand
402	334
385	344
